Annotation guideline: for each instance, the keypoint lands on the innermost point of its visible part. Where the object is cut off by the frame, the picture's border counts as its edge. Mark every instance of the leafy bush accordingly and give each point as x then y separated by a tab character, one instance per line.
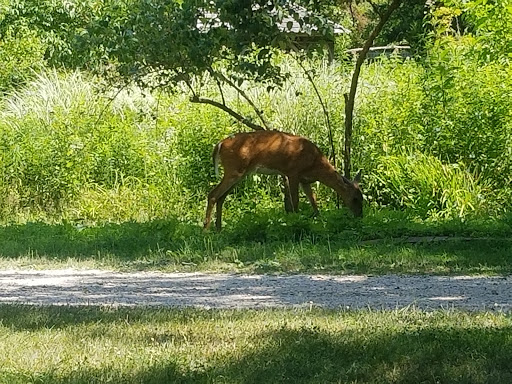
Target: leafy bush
57	144
467	113
21	56
55	24
388	119
196	130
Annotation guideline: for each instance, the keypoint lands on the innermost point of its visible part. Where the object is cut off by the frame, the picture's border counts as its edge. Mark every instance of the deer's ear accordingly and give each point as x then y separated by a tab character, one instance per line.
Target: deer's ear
357	178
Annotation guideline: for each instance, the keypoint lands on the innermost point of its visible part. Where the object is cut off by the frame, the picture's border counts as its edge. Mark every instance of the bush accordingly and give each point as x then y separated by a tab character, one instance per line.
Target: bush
56	144
468	116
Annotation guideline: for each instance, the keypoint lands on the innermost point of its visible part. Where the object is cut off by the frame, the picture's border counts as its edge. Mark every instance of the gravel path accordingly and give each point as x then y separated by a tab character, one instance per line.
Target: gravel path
93	287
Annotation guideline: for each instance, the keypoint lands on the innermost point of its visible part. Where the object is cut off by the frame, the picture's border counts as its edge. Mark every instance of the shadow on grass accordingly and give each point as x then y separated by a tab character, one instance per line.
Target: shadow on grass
272	242
127	240
311	356
435	351
35	318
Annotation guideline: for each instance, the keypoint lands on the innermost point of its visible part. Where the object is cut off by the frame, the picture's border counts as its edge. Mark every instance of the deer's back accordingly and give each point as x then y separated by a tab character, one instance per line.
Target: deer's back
270	151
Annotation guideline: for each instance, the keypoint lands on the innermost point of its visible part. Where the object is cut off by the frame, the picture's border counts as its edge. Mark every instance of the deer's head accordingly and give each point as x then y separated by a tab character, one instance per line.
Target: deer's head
353	197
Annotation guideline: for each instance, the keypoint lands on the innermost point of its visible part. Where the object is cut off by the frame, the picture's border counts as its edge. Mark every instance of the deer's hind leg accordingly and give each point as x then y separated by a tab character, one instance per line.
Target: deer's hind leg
293	183
287	196
291	193
220	202
218	194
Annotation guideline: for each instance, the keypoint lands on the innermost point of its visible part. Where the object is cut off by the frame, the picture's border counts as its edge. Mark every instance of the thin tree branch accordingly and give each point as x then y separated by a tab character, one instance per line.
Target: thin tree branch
220	90
219	85
352	12
190	87
246	97
110	101
225	108
327	118
196	99
324	108
375	8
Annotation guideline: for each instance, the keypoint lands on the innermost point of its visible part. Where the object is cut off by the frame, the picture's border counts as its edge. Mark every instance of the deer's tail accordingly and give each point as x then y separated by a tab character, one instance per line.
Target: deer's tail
216	157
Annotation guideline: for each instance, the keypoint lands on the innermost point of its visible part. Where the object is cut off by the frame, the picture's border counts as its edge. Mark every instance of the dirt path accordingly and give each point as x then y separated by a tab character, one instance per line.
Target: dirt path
92	287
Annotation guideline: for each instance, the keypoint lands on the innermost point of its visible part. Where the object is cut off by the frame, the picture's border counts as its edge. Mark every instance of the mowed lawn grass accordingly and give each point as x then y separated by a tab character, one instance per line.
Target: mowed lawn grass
273	242
150	345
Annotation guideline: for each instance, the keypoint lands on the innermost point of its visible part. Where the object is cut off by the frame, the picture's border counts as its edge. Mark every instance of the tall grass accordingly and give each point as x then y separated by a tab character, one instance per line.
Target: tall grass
424	184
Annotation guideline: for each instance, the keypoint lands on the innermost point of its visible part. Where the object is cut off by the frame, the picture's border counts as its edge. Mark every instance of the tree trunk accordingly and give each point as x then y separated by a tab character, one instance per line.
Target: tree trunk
351	96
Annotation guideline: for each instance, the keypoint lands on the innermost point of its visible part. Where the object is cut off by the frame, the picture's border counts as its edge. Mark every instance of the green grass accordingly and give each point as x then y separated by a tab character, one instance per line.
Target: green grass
99	345
272	242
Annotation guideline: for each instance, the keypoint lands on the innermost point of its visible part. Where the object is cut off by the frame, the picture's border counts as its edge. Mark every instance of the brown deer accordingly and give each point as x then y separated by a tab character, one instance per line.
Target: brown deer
297	159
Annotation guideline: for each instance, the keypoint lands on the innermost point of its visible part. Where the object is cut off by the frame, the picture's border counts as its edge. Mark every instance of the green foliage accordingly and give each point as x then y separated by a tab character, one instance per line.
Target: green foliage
54	23
21	56
492	23
433	136
144	155
389	119
424	185
162	43
57	148
406	25
467	104
193	148
468	109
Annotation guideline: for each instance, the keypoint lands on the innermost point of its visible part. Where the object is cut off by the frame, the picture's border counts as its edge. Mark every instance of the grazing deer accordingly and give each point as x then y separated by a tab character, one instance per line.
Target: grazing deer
297	159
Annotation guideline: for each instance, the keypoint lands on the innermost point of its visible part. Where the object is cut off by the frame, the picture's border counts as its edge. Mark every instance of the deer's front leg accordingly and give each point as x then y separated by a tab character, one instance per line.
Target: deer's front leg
220	202
287	197
311	197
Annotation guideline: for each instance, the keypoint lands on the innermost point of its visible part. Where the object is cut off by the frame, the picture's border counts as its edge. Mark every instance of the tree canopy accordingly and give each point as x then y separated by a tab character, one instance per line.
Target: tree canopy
158	43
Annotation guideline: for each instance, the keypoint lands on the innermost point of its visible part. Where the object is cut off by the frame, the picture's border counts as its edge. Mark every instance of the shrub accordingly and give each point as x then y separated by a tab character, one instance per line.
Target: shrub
67	146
